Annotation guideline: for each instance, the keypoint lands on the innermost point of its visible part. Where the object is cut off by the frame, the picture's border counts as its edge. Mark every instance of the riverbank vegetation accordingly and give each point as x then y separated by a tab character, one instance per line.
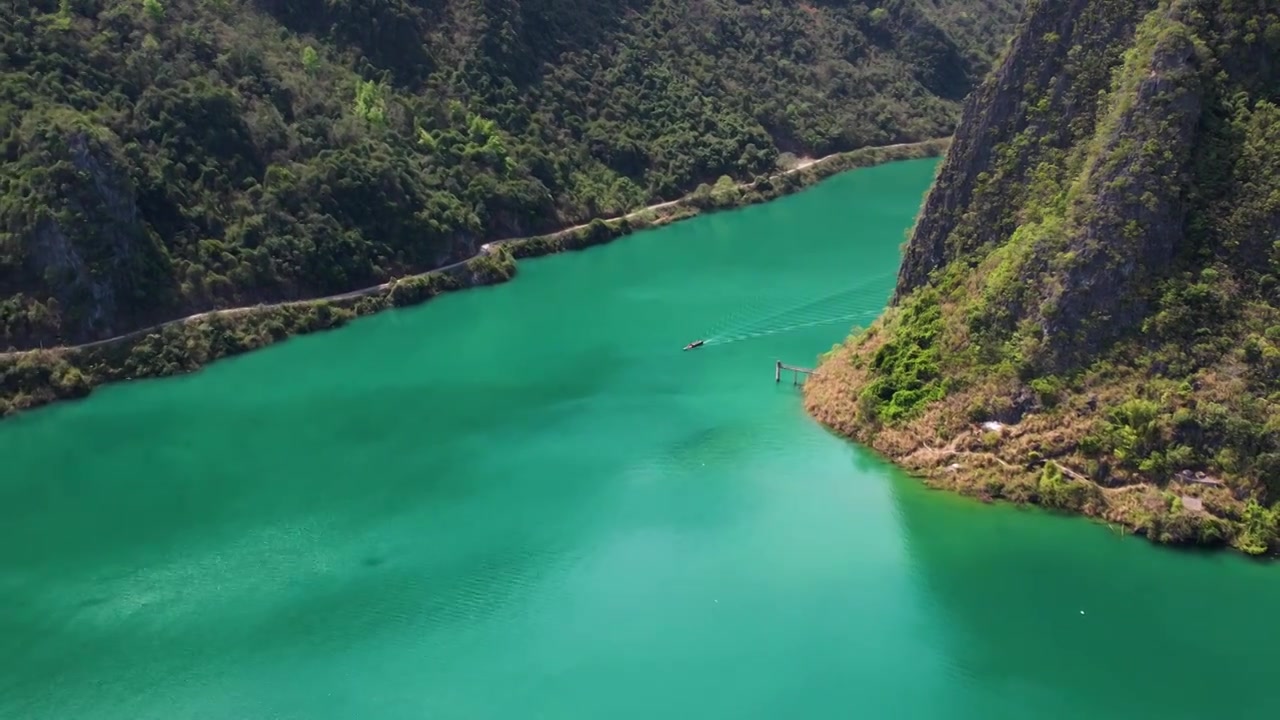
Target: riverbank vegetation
168	157
38	377
33	378
1087	314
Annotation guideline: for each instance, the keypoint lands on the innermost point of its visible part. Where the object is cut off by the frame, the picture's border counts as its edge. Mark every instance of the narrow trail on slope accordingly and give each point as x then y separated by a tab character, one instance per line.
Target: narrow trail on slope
800	165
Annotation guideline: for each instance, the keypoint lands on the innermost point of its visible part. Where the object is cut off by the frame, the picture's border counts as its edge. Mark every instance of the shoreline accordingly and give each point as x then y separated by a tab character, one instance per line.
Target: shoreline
35	377
1029	462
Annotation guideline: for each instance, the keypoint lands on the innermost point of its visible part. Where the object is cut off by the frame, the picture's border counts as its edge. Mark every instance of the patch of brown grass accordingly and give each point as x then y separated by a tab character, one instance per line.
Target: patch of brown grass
948	448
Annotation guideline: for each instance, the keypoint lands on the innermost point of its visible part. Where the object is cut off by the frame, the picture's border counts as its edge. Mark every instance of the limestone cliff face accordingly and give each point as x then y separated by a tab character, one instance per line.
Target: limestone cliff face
1097	270
97	283
1125	228
1046	88
1087	137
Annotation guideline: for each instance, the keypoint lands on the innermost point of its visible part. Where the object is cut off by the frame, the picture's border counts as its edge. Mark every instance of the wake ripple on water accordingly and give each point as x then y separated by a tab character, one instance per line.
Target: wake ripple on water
863	301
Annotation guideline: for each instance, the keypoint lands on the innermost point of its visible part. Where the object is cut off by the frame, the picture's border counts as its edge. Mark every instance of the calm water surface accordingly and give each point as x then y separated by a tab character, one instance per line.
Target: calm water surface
526	502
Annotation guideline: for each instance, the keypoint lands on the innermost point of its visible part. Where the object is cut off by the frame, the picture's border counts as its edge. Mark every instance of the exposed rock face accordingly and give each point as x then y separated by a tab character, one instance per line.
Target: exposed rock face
1046	59
1126	227
1100	107
1098	267
96	275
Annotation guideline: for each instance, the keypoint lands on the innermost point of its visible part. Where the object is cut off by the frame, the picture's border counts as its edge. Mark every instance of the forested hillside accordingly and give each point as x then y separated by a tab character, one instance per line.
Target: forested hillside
1088	315
163	157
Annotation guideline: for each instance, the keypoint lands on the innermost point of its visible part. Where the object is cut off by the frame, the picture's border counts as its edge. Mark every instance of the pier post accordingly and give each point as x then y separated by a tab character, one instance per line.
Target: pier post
795	370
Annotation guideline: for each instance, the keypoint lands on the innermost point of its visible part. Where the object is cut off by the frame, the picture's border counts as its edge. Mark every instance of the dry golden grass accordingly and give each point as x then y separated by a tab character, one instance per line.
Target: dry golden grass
947	450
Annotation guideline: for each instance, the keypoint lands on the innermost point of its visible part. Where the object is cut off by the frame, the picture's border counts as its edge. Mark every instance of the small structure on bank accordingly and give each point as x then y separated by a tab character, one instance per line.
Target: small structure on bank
796	372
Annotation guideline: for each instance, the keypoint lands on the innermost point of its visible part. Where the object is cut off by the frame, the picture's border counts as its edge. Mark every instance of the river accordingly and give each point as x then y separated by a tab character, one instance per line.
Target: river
525	502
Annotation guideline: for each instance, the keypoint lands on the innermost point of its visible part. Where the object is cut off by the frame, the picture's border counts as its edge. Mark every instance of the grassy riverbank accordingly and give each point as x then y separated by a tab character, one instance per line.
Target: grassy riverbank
955	443
30	379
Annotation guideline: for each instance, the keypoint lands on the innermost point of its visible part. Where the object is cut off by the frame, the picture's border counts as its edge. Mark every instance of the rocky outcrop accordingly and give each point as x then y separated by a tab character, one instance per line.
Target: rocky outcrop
1041	99
70	277
1089	132
1126	225
93	252
1097	267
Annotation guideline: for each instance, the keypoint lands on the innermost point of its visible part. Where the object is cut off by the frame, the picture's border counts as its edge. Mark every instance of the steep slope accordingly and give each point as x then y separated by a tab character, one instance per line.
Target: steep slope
1087	312
164	157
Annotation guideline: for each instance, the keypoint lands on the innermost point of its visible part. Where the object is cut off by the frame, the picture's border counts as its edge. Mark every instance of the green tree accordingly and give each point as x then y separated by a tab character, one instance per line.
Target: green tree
1104	262
153	9
262	163
427	140
371	103
310	60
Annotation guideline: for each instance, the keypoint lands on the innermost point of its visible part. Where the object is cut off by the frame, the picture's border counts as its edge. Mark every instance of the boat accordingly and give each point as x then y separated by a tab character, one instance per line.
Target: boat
694	344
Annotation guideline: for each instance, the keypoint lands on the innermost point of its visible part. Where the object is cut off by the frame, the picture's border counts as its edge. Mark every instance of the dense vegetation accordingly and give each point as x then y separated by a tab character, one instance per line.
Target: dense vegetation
36	377
1088	314
163	157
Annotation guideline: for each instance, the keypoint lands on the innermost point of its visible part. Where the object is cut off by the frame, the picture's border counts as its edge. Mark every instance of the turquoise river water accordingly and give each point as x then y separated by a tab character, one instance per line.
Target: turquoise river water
526	502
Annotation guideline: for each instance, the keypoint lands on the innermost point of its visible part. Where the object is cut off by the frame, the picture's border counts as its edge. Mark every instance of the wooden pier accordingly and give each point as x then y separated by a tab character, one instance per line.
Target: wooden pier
796	372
